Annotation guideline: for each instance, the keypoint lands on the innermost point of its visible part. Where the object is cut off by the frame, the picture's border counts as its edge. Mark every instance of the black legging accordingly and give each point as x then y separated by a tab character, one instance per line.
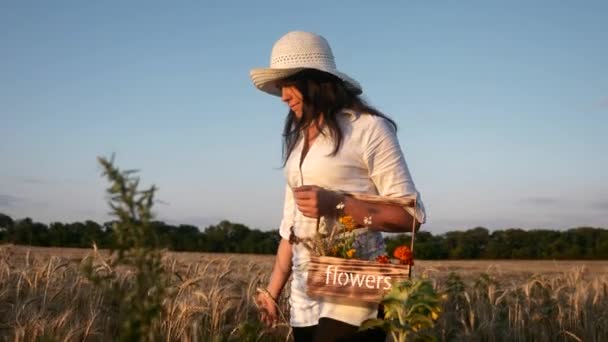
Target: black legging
331	330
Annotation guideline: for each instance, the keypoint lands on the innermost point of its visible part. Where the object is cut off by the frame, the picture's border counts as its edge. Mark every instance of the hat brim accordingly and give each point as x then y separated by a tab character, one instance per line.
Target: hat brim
265	79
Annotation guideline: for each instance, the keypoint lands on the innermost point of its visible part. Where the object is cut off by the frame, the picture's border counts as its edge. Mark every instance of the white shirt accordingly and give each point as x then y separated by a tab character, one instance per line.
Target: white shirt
369	161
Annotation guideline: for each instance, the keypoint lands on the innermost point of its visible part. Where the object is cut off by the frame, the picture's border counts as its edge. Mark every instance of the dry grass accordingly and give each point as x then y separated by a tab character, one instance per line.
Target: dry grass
44	296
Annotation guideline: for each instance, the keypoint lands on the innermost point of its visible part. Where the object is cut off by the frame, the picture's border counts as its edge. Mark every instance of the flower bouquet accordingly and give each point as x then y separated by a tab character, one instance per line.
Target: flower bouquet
349	263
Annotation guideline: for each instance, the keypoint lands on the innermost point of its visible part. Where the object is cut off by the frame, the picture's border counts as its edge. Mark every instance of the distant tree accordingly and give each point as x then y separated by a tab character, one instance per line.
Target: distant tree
91	233
506	244
186	238
259	242
427	246
75	231
586	239
470	244
215	239
538	244
455	246
57	234
476	240
108	233
601	246
6	222
21	233
165	233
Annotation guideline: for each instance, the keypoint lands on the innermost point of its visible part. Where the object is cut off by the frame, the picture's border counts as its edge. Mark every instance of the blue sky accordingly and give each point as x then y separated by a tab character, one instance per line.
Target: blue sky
502	106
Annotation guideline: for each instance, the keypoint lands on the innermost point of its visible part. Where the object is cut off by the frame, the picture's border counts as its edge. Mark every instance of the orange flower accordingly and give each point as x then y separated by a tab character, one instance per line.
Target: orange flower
347	222
383	259
404	255
402	252
350	253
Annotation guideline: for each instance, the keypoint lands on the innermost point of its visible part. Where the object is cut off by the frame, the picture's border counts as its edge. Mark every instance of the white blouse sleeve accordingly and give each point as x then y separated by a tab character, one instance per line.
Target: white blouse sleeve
386	164
288	214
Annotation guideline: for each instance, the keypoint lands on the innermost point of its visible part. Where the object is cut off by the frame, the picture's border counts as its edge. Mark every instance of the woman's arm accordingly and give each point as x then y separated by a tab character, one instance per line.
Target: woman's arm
389	218
281	270
282	264
267	300
314	201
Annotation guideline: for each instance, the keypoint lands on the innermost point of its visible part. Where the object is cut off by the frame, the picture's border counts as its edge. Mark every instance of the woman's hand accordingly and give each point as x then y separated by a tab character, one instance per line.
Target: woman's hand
268	309
314	201
266	299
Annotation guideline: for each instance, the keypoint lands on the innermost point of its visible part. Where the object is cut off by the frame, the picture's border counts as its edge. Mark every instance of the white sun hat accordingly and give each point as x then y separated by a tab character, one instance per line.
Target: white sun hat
297	51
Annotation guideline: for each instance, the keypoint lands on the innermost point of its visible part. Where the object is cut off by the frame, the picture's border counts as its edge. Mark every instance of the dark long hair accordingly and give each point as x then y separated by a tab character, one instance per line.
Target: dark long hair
324	95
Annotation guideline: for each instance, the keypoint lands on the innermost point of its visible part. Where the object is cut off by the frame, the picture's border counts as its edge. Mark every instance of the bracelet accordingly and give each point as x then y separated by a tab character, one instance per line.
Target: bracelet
341	205
367	220
339	208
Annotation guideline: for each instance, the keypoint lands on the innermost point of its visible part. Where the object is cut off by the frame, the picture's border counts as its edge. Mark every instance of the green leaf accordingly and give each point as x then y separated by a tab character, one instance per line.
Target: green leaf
374	323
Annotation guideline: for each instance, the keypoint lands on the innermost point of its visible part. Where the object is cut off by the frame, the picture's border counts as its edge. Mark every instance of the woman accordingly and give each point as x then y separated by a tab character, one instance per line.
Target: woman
334	143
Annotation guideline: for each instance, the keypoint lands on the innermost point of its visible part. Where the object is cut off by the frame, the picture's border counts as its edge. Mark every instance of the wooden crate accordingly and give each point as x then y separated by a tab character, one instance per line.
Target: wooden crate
360	280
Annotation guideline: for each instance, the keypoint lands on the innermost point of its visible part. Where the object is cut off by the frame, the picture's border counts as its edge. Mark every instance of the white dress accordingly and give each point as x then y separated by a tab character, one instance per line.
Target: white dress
369	161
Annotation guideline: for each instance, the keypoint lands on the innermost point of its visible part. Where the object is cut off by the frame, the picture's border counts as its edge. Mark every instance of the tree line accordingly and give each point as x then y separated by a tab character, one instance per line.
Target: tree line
224	237
229	237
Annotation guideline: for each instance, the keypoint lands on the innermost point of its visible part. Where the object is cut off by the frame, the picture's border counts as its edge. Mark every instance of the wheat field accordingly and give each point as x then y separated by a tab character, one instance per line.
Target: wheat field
44	296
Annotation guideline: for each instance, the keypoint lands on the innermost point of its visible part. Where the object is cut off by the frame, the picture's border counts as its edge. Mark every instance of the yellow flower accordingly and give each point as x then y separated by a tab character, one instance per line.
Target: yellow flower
347	222
351	253
434	315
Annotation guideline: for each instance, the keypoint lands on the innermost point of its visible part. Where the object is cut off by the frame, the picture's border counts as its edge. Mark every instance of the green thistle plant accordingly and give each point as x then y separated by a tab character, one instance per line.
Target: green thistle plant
410	311
139	300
